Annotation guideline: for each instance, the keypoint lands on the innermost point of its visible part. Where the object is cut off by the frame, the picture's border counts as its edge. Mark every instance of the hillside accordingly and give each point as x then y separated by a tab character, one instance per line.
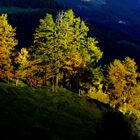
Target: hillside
39	113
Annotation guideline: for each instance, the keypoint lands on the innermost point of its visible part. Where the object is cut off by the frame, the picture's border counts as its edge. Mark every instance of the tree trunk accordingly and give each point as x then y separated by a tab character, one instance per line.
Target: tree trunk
64	79
17	81
44	77
57	79
74	84
53	84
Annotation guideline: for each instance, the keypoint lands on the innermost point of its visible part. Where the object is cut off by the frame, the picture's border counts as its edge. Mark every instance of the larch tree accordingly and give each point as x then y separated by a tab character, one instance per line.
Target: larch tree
122	83
7	46
27	69
22	60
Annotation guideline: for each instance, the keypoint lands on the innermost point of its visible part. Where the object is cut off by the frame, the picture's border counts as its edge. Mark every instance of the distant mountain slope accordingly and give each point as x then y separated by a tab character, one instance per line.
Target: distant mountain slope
108	11
117	16
29	3
25	15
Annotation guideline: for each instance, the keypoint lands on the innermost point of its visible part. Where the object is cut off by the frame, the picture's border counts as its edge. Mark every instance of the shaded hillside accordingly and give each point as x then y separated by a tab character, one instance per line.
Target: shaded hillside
39	113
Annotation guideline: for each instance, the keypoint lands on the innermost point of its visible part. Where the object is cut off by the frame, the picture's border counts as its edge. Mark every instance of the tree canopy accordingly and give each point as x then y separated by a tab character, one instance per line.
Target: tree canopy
63	47
122	82
7	46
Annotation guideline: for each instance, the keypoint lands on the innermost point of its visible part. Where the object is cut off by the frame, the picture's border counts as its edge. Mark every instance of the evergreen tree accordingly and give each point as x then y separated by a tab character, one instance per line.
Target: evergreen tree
64	48
82	51
43	47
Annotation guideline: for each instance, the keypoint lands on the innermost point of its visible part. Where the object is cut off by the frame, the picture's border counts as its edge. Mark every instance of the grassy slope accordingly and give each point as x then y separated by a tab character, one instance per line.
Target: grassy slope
38	113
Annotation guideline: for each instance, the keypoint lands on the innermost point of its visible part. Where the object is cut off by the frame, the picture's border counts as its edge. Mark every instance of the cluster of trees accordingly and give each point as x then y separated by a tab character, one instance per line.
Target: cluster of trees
64	55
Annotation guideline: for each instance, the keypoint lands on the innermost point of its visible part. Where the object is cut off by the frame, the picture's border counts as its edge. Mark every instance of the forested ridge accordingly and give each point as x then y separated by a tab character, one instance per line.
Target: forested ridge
64	55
